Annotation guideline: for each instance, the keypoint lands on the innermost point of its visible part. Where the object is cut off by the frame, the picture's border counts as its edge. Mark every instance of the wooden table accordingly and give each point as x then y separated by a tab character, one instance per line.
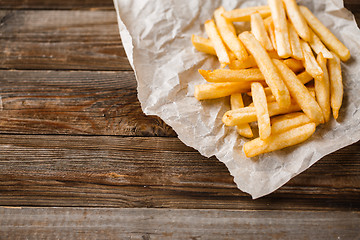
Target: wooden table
79	159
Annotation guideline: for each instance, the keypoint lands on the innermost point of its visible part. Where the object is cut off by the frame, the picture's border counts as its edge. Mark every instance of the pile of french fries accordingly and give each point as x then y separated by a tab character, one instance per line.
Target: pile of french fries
289	63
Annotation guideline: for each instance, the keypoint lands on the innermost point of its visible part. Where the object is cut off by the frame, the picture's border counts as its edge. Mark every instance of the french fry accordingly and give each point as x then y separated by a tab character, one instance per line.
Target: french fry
271	31
249	62
310	62
228	75
300	93
244	14
259	31
228	34
270	98
219	46
271	75
262	114
269	25
322	88
281	28
279	141
286	122
248	114
268	21
203	45
295	43
297	19
244	130
318	46
219	90
295	65
274	54
305	77
336	85
267	92
326	36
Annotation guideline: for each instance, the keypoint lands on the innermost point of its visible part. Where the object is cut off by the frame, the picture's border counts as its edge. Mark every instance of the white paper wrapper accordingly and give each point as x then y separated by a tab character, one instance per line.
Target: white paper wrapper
156	35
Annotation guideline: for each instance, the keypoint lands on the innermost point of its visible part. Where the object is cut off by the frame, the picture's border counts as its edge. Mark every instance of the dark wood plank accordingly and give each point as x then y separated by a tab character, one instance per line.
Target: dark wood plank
352	5
53	4
156	172
63	102
66	223
61	40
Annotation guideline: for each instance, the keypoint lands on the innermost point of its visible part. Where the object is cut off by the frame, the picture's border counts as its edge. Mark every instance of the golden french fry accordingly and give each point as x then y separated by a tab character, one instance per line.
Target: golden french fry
305	77
336	84
218	44
271	31
203	45
286	122
322	88
279	141
262	113
318	46
249	62
228	75
228	34
272	77
244	130
295	65
218	90
269	25
310	62
295	43
297	19
300	93
326	36
268	21
274	54
281	28
259	31
248	114
267	93
244	14
270	98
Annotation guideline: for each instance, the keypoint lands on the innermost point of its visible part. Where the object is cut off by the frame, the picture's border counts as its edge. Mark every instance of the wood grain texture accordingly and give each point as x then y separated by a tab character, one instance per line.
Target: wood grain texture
156	172
58	5
70	40
65	223
65	102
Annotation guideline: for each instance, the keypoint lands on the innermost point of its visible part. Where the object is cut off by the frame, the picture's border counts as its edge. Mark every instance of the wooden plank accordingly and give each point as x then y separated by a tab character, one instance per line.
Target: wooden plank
75	223
156	172
60	5
352	5
65	102
69	40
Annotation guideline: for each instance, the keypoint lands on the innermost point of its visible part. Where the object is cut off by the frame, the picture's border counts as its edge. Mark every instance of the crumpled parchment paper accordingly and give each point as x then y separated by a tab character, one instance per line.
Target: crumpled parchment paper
156	35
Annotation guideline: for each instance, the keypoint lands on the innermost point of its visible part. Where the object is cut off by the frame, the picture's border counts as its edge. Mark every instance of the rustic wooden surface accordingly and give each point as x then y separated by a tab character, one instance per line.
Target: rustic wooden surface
79	223
73	136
